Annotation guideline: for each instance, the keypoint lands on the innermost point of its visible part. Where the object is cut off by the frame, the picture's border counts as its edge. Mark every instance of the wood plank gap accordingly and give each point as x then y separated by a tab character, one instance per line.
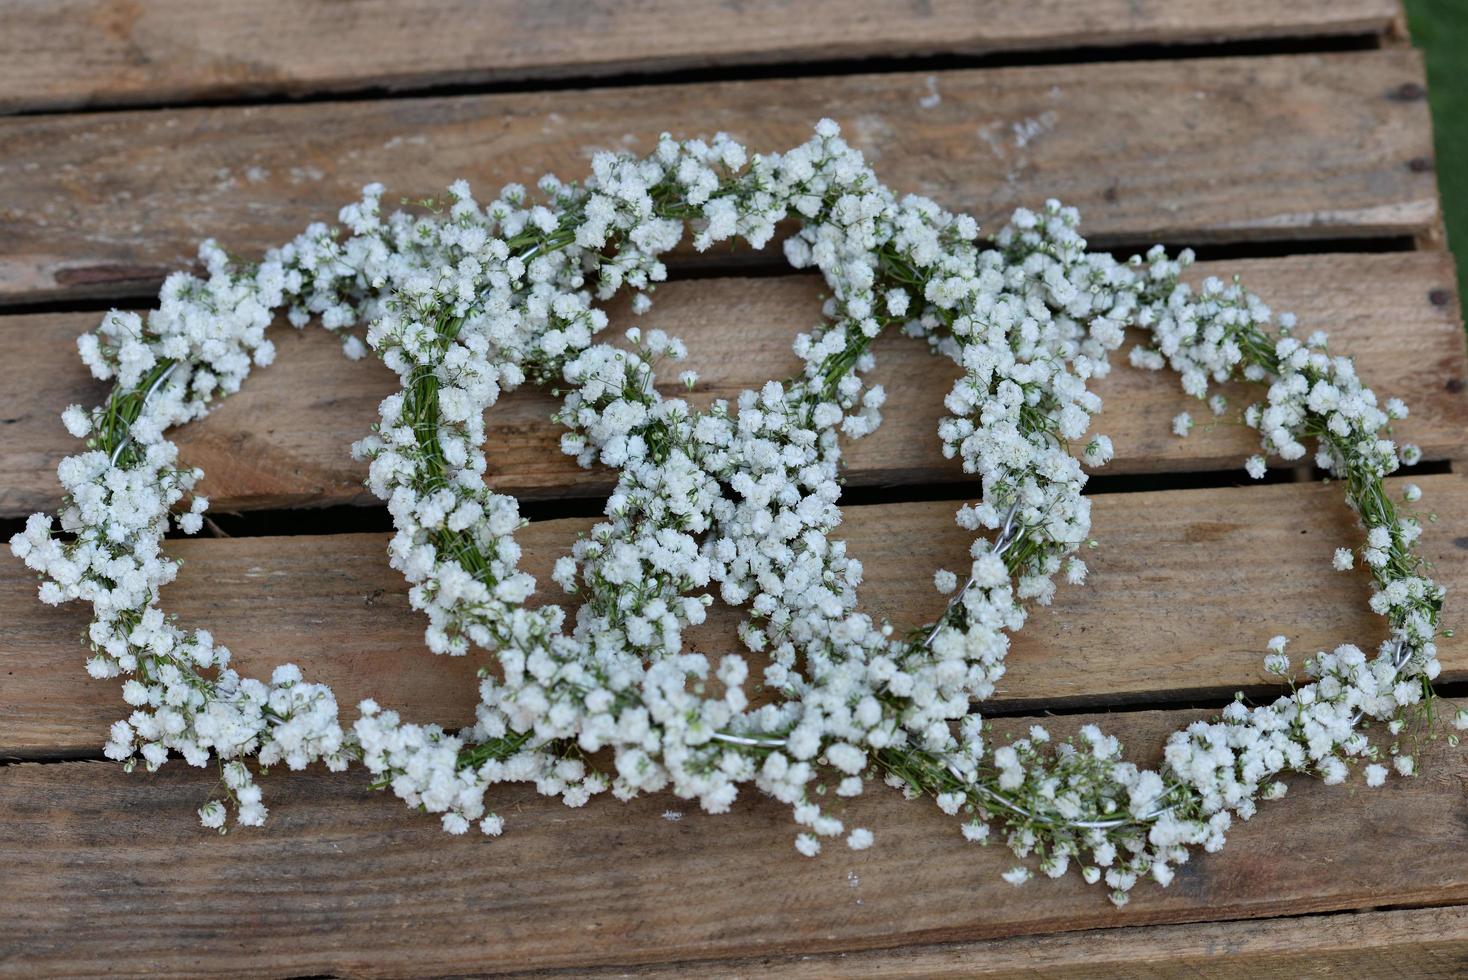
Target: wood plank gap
373	517
140	295
1207	702
47	757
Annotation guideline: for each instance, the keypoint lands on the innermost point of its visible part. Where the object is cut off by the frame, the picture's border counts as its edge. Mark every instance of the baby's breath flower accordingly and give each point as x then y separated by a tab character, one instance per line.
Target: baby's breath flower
212	815
738	501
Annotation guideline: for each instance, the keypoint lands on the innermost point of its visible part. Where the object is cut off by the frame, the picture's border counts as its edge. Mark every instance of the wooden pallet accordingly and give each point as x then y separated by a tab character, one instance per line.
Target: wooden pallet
1292	141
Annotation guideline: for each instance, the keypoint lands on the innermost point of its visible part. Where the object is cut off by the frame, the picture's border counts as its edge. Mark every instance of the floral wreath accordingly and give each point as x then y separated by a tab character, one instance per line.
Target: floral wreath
464	302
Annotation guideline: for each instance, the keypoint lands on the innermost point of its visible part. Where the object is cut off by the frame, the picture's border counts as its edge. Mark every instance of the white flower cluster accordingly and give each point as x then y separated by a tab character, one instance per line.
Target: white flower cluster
199	343
467	301
1223	332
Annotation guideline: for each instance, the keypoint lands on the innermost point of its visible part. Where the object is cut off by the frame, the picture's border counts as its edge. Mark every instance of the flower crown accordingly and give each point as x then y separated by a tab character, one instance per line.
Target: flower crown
465	301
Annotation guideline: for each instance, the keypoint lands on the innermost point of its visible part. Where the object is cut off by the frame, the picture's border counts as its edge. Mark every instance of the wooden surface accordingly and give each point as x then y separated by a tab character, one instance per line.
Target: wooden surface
344	882
1155	620
1329	146
1410	943
71	53
1292	140
283	441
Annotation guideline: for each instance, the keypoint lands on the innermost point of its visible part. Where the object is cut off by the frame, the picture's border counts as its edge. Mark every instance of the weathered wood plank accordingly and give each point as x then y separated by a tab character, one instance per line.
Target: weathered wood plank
1427	942
283	440
107	868
1309	146
1185	590
93	53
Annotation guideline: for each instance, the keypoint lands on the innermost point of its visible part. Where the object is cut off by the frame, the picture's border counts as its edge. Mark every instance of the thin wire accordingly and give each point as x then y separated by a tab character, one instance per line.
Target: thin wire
152	390
753	742
1006	538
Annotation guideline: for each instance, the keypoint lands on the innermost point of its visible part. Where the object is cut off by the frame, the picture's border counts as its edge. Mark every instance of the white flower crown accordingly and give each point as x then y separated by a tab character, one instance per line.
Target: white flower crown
464	302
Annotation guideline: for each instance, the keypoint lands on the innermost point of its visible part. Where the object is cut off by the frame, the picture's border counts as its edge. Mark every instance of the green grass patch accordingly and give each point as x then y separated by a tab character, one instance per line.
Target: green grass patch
1440	29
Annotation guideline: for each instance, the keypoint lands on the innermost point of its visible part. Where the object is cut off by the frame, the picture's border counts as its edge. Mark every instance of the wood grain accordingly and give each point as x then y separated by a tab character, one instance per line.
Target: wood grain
1185	590
1192	151
92	52
283	440
1429	942
110	871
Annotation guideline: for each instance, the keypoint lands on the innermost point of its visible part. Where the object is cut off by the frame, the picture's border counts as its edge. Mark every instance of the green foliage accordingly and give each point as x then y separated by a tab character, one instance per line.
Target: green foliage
1440	29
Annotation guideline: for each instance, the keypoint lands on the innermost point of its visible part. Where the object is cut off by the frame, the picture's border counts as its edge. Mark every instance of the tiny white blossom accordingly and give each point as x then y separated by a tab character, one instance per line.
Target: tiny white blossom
77	421
212	814
1017	875
735	502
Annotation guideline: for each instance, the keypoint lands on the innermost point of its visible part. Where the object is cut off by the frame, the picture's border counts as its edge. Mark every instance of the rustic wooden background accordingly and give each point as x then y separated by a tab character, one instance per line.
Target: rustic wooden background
1290	141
